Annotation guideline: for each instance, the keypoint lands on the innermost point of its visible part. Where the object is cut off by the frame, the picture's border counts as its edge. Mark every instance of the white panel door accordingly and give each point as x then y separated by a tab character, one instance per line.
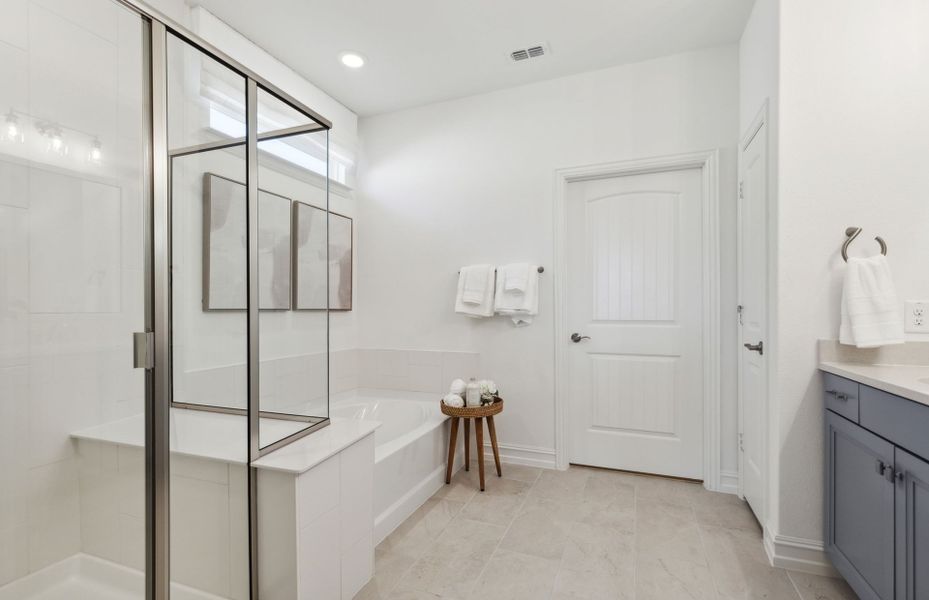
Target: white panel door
753	274
634	257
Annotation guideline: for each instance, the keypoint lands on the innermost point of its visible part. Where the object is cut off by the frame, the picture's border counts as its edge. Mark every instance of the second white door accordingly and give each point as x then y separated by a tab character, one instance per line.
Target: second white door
635	301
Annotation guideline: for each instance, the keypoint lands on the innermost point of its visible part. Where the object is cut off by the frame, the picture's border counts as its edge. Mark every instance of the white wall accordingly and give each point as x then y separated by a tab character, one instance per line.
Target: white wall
471	181
853	96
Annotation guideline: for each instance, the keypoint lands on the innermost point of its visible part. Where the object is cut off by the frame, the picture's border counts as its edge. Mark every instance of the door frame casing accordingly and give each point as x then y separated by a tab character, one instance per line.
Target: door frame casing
759	125
708	163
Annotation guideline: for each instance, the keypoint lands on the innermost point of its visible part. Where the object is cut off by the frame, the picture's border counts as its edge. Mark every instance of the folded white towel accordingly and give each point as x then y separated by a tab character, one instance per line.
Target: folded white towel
521	307
516	277
475	291
871	315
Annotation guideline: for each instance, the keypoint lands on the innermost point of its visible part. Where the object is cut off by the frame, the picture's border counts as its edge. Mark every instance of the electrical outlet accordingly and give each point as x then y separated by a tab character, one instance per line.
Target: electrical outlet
916	316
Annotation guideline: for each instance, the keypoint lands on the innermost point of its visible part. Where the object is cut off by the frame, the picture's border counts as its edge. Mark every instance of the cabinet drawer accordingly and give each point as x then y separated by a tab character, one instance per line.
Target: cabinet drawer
841	396
897	419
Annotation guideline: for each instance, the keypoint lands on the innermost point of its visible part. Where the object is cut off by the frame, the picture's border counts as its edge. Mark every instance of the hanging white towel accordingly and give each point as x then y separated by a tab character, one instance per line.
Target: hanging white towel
520	306
871	314
475	291
516	277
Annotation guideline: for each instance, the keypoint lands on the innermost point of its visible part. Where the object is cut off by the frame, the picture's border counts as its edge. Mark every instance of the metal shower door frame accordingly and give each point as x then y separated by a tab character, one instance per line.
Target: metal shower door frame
157	287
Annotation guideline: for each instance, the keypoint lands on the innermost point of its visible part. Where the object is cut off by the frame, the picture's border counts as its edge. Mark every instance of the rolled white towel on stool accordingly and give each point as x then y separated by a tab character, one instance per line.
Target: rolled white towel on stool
457	387
453	400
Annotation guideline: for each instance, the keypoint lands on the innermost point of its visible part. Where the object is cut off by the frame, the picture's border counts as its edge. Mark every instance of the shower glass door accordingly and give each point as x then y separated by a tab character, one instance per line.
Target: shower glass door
207	163
72	292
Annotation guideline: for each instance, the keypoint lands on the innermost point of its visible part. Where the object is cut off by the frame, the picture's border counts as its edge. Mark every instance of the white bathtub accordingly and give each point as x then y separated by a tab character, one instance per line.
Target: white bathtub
411	447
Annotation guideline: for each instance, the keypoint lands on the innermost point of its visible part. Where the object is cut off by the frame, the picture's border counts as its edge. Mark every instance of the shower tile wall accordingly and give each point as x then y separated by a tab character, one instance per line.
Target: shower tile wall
414	370
70	263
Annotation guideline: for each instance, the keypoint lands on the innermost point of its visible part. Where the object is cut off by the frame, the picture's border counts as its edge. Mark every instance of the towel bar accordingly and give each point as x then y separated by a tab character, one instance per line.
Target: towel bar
851	233
540	270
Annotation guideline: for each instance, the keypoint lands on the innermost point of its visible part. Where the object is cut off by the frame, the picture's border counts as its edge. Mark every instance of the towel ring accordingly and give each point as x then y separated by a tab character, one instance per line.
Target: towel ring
851	233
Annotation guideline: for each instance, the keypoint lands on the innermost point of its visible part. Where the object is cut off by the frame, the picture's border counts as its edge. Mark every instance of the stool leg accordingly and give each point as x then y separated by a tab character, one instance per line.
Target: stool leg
452	443
479	431
493	442
467	441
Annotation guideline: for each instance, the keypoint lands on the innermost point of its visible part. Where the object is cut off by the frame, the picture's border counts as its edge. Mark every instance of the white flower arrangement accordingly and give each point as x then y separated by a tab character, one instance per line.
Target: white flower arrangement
488	390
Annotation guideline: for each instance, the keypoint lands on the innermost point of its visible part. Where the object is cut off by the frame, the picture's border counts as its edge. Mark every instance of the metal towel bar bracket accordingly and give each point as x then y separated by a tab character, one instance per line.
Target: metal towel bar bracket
851	233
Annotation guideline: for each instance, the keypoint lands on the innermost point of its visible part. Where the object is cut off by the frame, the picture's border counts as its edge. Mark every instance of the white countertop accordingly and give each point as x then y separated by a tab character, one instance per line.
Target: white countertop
218	436
907	381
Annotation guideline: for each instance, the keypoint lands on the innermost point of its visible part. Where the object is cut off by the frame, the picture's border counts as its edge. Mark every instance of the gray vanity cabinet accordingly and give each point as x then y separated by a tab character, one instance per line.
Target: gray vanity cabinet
912	513
877	490
860	507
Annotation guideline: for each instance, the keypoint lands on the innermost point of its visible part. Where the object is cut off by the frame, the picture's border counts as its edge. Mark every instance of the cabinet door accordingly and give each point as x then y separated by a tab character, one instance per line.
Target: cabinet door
860	507
912	526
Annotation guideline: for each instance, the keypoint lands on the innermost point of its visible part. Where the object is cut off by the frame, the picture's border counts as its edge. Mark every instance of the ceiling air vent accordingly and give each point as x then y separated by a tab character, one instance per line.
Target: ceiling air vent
530	52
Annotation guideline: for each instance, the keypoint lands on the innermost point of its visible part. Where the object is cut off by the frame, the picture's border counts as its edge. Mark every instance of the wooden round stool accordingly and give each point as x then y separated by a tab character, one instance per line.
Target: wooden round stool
478	413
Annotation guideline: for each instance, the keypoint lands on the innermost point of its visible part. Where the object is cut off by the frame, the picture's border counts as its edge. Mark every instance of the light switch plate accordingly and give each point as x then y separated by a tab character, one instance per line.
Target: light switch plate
916	316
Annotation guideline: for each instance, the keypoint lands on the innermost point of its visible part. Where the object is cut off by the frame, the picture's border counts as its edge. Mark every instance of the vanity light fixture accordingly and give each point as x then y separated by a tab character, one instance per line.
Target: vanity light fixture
11	129
352	60
96	152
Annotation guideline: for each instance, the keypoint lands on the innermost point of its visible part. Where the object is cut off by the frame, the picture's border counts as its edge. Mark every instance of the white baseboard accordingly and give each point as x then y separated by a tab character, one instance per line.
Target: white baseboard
728	482
529	456
798	554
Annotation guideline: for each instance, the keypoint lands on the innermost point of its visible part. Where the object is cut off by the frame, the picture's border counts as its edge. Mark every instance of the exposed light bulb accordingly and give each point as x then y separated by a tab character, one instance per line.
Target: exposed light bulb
352	60
96	152
11	130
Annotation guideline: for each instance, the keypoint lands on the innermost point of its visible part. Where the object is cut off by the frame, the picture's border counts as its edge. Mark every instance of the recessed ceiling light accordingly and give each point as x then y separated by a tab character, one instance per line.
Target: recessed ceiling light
352	60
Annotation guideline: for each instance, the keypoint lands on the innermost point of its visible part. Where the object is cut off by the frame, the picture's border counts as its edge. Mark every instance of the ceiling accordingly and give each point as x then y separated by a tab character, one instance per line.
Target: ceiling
422	51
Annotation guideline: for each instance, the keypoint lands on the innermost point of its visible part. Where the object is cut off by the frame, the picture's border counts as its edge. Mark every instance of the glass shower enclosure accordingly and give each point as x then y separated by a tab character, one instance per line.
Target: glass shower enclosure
164	302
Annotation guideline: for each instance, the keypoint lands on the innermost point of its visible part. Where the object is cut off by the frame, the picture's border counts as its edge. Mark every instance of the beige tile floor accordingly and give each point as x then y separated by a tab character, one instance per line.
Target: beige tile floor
583	534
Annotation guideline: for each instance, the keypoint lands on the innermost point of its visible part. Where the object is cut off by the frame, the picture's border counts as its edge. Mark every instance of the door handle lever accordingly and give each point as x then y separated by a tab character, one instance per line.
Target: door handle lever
576	337
759	347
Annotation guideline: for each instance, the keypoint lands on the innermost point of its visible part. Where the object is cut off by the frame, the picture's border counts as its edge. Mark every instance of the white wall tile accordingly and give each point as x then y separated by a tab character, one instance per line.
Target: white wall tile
54	513
318	491
459	365
427	378
131	463
14	560
238	532
14	428
200	534
62	88
74	245
277	543
98	18
132	541
214	471
14	177
14	286
429	358
357	491
319	566
13	16
357	566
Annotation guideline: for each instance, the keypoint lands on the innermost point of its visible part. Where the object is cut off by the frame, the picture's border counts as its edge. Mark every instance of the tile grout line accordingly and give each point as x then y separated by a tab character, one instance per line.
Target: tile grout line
794	584
505	531
388	593
705	553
